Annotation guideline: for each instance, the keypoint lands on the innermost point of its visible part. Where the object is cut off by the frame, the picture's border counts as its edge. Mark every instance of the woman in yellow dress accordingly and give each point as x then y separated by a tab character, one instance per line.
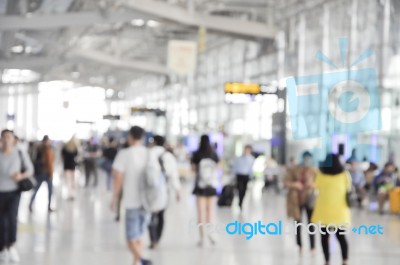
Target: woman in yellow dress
331	211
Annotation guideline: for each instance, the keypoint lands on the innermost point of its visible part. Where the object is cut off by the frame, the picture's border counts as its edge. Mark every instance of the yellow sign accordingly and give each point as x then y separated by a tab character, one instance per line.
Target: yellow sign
242	88
202	39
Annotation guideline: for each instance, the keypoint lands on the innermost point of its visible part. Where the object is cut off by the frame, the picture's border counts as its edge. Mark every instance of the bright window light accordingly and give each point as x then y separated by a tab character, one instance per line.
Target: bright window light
139	101
17	49
153	23
28	49
61	123
137	22
238	127
109	92
55	85
121	94
14	76
75	74
237	98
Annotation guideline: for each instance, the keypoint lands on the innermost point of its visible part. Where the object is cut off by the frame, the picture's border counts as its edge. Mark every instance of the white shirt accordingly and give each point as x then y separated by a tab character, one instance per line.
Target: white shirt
182	154
131	162
244	165
11	164
170	166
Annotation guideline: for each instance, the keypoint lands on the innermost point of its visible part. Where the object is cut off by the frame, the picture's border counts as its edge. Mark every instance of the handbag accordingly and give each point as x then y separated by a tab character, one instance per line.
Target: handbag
351	196
25	184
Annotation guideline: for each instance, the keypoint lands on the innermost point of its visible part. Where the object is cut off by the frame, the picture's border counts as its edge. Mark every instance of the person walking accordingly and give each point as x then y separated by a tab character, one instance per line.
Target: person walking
44	167
169	169
129	168
205	165
90	162
14	166
69	155
109	154
331	207
243	170
301	196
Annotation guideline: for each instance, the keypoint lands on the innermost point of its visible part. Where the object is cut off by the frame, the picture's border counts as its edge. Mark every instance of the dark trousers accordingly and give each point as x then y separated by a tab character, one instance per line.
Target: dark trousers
107	167
119	202
90	169
9	203
156	226
241	182
40	178
312	228
342	241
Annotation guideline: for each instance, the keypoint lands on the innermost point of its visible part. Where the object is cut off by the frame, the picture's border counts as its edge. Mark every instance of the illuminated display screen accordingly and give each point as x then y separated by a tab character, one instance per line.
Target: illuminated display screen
242	88
249	88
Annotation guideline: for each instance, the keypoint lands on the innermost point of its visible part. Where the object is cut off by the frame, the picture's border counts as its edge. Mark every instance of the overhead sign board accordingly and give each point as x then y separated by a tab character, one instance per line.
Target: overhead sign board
182	56
250	88
111	117
157	112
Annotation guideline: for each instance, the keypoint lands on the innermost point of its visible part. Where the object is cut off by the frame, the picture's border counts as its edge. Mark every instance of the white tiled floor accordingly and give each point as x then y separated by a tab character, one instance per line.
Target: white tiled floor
83	232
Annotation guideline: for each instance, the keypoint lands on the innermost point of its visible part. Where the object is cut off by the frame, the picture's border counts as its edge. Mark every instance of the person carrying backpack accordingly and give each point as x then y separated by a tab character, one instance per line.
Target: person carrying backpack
205	164
129	169
168	168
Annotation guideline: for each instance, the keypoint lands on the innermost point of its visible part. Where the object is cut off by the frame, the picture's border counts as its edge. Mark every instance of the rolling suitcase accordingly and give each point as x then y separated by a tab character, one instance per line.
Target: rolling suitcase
226	196
394	200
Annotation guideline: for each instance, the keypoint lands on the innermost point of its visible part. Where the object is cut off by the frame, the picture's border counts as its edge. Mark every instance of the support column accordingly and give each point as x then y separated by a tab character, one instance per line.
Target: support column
35	112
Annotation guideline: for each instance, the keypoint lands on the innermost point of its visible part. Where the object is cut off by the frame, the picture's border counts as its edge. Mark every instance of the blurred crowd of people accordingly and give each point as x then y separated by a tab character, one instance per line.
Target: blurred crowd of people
145	174
326	193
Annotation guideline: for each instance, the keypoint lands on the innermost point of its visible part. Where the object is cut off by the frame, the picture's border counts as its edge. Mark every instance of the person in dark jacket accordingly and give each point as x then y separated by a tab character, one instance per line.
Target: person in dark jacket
44	167
89	161
109	154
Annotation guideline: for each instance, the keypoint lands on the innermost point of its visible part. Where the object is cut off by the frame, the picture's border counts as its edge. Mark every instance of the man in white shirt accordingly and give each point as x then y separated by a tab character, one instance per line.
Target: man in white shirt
243	170
128	169
169	169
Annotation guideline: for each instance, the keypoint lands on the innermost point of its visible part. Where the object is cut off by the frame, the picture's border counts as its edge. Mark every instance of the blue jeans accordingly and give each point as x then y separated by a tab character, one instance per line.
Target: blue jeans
40	178
136	223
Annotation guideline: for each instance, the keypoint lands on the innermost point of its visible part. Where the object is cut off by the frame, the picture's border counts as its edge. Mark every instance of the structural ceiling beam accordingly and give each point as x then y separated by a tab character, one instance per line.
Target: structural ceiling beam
78	56
70	19
152	8
218	23
29	63
106	59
